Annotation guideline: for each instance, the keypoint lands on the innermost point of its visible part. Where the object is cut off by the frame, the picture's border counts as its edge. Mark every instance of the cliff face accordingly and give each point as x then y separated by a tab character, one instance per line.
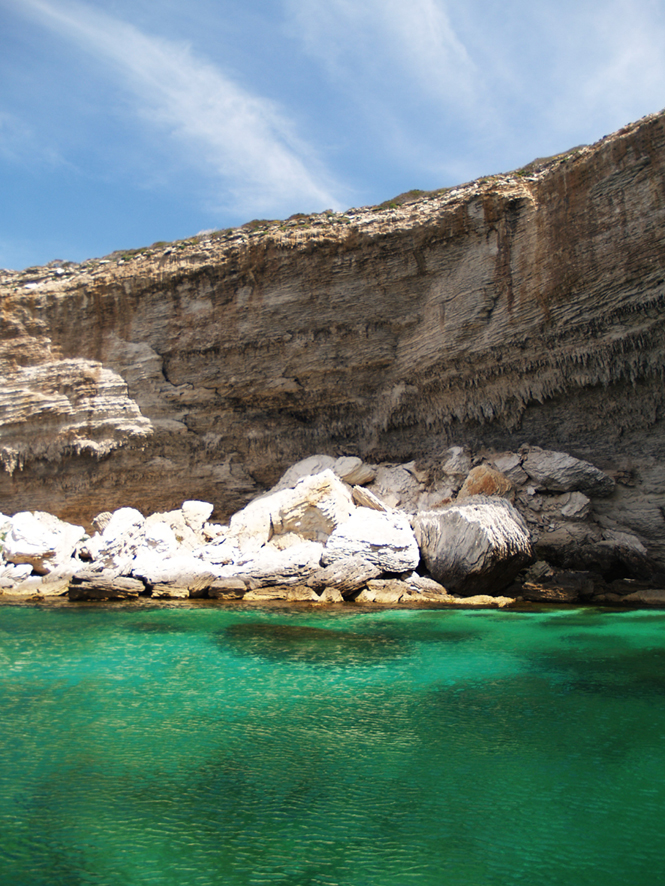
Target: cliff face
522	308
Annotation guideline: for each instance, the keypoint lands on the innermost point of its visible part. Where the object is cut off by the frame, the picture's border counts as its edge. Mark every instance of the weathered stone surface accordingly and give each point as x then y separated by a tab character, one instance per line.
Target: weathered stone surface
558	587
270	566
290	593
115	547
311	509
424	585
78	405
396	486
518	309
485	601
195	514
174	576
583	546
484	480
510	464
40	540
350	469
347	575
365	498
477	546
386	591
646	597
227	589
91	586
330	595
559	472
384	539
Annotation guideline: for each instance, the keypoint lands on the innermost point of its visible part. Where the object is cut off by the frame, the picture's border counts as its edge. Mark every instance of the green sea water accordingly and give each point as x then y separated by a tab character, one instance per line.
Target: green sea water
193	744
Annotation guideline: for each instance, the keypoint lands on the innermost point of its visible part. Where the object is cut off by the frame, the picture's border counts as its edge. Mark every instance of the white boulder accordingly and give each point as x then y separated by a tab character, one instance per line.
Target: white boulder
385	539
40	540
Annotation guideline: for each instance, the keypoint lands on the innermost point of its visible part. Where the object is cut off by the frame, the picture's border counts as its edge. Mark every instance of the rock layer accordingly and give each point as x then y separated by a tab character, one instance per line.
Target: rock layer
521	308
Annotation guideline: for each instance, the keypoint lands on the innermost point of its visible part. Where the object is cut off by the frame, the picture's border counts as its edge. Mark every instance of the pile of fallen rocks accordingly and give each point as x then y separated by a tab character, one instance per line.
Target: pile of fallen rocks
483	530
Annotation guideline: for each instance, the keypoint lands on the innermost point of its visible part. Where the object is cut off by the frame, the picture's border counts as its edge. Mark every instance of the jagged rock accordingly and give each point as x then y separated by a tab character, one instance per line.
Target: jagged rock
385	539
41	540
478	546
184	534
11	574
646	597
100	586
396	485
422	584
221	553
270	566
330	595
312	509
364	498
354	471
510	464
174	576
347	575
484	480
101	521
115	548
456	464
195	514
227	589
559	472
74	404
350	469
557	587
586	547
386	591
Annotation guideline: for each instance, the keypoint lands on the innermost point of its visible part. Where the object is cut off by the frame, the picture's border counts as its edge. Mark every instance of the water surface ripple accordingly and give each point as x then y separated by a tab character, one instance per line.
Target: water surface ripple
199	745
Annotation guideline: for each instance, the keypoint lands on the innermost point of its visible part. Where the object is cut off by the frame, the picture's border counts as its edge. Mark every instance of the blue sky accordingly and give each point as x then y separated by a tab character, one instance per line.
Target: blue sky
123	122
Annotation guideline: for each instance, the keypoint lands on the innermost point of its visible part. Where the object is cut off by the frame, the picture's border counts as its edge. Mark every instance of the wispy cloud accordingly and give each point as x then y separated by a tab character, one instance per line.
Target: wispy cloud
244	140
388	39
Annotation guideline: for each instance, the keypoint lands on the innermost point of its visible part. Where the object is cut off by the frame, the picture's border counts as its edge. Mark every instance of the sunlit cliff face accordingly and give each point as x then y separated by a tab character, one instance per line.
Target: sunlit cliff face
520	308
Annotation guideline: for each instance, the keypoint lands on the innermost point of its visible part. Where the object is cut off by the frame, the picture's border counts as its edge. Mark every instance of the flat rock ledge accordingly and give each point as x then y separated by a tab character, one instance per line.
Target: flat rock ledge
472	529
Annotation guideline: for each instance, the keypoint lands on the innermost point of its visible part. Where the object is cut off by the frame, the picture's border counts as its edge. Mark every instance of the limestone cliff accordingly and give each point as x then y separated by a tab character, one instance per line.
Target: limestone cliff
525	307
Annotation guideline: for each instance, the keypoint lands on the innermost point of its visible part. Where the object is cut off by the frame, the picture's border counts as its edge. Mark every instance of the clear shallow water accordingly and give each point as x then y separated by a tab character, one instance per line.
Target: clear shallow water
191	745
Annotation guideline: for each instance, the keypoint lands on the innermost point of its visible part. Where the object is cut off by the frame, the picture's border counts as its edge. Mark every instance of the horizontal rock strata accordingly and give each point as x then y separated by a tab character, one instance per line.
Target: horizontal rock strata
523	308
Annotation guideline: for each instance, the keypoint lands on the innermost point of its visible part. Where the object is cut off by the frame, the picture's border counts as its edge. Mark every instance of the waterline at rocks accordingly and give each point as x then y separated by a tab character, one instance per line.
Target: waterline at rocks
473	529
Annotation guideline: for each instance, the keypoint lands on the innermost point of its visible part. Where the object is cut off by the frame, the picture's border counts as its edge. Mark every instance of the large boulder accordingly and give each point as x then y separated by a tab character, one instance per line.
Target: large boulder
40	540
349	468
91	585
181	575
587	547
113	550
385	539
348	575
559	472
477	547
271	566
485	480
312	509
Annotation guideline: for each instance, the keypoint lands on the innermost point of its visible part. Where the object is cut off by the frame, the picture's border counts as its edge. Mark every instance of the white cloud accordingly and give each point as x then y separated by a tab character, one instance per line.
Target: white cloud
243	139
387	40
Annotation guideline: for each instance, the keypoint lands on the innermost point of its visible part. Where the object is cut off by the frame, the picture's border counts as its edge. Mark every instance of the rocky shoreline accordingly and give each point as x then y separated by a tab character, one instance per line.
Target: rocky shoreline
470	529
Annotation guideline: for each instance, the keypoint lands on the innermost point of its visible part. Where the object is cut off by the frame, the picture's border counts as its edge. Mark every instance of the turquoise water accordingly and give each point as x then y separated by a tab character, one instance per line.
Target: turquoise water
199	745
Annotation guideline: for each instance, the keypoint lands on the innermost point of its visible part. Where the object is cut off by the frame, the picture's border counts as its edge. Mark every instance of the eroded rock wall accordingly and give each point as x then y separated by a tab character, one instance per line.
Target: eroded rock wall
522	308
